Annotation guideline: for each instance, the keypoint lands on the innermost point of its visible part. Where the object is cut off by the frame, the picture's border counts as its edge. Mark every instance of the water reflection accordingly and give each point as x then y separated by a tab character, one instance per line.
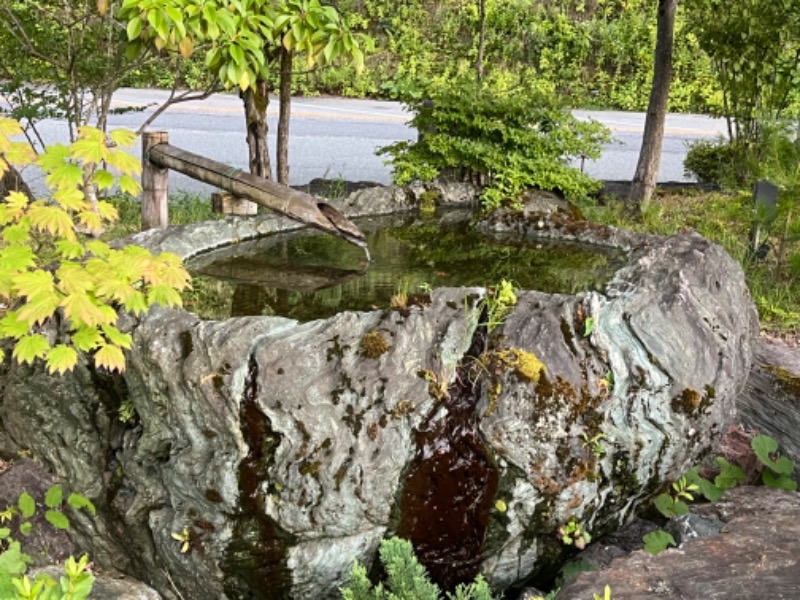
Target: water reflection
307	276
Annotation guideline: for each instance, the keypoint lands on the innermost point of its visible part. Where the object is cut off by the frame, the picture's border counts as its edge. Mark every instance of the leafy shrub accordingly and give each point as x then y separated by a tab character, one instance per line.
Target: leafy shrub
51	266
406	579
14	583
713	161
510	141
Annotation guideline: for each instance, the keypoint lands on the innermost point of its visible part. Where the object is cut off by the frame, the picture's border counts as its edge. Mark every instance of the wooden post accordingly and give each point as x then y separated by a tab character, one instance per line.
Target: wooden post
155	183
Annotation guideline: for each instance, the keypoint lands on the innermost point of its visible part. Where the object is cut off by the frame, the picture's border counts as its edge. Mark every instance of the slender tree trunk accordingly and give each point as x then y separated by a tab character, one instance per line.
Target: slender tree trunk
481	43
644	181
256	100
284	116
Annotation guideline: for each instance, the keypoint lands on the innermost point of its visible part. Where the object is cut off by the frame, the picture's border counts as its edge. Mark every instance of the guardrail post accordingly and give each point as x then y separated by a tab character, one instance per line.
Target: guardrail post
155	184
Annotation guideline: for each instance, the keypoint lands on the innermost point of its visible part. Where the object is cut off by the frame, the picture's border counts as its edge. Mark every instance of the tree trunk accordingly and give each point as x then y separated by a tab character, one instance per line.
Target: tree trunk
481	43
284	116
12	181
644	181
256	100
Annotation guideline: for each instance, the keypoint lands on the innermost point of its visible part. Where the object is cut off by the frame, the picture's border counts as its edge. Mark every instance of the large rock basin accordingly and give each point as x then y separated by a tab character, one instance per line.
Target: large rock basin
284	451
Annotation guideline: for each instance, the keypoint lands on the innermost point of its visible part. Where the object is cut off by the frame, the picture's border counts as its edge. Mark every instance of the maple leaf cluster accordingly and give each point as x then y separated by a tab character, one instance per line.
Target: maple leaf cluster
50	268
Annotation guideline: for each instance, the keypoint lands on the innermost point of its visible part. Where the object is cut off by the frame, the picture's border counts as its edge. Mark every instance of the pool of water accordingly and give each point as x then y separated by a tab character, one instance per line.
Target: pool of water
307	275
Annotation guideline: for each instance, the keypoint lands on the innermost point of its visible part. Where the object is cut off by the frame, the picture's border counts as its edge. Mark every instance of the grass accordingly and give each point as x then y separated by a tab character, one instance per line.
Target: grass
183	208
726	218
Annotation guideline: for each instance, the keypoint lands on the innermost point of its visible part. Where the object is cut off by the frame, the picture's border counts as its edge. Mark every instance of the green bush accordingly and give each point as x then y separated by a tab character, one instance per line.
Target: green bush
715	162
508	141
406	579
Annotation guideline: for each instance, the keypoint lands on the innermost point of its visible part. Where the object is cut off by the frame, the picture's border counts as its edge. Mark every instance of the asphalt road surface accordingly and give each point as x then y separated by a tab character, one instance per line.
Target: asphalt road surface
337	138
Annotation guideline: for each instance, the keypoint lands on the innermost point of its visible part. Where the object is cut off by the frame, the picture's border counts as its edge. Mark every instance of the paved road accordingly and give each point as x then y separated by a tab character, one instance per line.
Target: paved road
334	137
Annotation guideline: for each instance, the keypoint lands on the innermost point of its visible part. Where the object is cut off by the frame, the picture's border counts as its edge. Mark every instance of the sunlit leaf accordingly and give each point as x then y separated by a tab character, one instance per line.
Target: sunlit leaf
12	326
78	502
87	338
27	505
125	163
54	496
16	258
67	175
103	179
39	307
81	308
61	359
110	357
70	250
70	198
90	220
129	185
73	277
57	519
54	156
17	234
164	295
123	137
53	220
116	337
136	303
186	47
134	28
98	248
20	154
30	347
34	282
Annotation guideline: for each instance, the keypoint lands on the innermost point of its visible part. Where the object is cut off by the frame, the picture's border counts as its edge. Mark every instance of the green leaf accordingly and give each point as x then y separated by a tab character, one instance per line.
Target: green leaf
57	519
30	347
80	308
129	185
39	307
16	258
13	327
658	541
115	336
588	326
730	475
61	359
78	502
765	447
26	504
34	282
104	179
134	28
110	357
54	496
136	303
164	295
781	482
26	528
87	338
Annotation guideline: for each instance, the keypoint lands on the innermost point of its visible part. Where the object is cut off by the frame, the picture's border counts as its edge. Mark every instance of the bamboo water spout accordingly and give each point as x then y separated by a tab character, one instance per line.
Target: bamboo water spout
294	204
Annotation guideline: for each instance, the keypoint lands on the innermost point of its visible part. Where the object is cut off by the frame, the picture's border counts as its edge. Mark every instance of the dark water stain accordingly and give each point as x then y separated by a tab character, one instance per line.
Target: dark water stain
449	488
255	561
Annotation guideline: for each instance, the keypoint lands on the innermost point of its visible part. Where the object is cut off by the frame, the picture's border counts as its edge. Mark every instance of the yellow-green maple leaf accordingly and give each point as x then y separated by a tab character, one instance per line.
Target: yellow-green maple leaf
61	359
103	179
136	303
20	154
81	309
123	137
171	271
68	175
70	250
56	221
117	289
110	357
39	307
34	282
98	248
116	337
164	295
86	338
17	234
13	327
54	157
16	258
30	347
74	278
15	205
129	185
107	211
70	198
90	220
125	163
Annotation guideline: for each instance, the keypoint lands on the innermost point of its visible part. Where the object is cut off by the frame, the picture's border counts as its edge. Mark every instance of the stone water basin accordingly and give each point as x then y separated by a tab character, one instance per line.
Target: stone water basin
288	448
